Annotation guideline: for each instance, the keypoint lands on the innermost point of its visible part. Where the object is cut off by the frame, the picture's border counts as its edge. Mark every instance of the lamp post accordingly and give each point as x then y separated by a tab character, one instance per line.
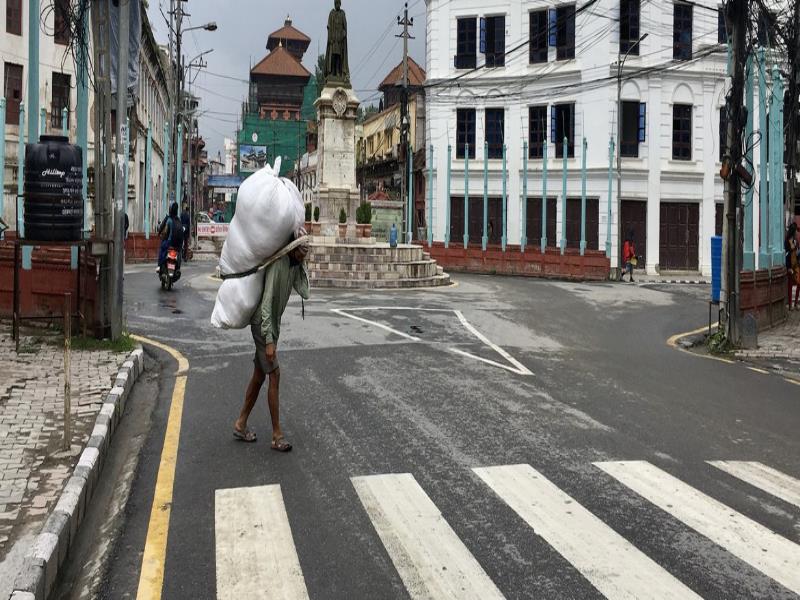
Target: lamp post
620	64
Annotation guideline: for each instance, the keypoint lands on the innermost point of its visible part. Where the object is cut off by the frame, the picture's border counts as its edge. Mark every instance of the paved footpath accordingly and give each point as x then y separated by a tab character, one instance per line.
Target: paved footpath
32	468
781	342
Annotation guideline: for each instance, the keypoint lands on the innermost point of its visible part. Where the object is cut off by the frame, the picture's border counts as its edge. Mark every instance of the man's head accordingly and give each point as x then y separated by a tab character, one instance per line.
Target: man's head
338	4
173	210
185	206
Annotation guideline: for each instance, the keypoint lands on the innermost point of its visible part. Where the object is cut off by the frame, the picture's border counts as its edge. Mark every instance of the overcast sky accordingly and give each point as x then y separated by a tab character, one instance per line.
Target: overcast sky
241	40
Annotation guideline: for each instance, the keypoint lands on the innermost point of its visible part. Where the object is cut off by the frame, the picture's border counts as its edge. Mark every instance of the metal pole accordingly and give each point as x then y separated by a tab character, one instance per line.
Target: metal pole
523	238
504	239
447	200
615	260
749	257
121	168
148	153
165	148
564	198
126	163
583	199
764	256
67	371
33	73
610	185
82	108
21	172
179	164
430	196
544	197
2	159
466	196
485	238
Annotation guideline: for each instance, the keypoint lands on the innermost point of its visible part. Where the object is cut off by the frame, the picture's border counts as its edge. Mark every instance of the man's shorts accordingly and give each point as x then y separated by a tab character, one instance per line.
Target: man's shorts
260	359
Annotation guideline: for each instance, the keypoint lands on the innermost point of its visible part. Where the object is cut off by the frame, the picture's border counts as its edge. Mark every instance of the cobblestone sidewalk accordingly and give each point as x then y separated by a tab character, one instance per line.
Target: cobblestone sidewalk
32	468
780	342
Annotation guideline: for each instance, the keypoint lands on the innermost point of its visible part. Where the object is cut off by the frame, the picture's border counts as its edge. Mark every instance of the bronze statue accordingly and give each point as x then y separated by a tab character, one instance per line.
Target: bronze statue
337	70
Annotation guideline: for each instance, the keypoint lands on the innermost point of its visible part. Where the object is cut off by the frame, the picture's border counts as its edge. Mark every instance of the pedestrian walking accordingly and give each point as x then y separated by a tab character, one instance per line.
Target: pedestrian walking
792	265
283	275
629	259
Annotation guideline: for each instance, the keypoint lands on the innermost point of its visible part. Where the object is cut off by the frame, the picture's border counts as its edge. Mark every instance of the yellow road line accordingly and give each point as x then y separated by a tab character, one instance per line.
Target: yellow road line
672	342
151	578
757	370
792	381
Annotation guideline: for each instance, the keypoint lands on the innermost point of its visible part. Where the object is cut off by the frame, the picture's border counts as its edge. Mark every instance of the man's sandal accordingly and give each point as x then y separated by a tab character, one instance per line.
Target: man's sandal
281	445
248	435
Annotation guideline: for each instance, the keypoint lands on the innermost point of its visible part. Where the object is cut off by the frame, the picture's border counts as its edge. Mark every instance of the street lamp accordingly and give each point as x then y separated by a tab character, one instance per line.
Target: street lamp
620	64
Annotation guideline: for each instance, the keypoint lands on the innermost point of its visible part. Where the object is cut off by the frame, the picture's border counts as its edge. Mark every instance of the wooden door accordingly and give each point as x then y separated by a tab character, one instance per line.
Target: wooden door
679	241
634	221
574	223
533	219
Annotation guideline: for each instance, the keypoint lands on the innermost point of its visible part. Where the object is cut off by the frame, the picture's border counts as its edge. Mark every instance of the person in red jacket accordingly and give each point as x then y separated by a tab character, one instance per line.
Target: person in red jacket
628	256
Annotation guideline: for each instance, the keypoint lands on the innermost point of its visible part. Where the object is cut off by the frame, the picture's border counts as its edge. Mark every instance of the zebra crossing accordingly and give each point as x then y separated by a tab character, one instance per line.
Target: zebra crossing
256	556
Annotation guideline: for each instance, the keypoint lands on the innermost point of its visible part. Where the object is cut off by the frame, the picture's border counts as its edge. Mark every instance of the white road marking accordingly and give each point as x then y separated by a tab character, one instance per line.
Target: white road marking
516	367
761	476
255	553
773	555
611	564
430	558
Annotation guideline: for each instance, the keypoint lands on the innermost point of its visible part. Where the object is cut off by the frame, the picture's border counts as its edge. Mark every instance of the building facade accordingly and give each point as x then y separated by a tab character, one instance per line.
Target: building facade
509	81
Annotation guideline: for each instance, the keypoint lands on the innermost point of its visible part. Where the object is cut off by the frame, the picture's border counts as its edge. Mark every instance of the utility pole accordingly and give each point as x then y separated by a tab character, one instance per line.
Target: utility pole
736	16
792	110
405	125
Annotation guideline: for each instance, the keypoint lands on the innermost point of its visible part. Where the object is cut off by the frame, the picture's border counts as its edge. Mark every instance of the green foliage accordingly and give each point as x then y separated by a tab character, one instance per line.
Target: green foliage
364	214
319	74
342	216
308	212
718	343
316	214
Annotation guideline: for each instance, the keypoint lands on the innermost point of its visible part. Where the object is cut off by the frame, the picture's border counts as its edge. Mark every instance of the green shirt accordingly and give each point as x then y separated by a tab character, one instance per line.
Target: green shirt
281	277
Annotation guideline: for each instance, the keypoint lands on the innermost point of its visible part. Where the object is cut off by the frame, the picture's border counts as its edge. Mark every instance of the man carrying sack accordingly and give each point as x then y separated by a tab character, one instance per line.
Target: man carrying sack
284	271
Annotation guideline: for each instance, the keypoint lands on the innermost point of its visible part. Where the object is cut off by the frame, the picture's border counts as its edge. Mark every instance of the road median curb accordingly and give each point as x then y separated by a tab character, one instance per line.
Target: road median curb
40	569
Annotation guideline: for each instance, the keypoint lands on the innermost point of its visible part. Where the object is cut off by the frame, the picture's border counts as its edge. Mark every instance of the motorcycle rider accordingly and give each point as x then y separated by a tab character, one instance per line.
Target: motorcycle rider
171	233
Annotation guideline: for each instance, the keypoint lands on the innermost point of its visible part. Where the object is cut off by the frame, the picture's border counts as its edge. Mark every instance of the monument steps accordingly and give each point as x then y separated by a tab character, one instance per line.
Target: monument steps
438	281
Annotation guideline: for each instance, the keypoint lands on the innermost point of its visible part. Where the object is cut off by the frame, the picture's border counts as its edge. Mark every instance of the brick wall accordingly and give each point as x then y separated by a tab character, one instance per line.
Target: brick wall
763	294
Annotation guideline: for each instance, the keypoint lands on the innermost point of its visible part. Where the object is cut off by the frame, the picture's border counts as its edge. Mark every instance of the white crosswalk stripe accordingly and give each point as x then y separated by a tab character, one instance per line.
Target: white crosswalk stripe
430	558
773	555
611	563
255	553
773	482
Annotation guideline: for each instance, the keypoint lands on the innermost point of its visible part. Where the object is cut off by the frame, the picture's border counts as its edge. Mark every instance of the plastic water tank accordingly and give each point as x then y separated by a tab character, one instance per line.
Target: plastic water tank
716	268
53	186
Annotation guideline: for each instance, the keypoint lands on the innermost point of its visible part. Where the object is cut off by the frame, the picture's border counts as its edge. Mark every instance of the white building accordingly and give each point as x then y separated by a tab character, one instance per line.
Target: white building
230	156
549	72
306	179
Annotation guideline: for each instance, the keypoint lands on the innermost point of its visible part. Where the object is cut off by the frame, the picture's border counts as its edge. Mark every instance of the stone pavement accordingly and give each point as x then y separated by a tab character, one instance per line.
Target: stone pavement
33	468
781	342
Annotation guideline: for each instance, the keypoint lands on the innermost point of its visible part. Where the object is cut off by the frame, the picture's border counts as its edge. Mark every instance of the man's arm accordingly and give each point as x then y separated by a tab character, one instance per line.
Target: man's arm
266	304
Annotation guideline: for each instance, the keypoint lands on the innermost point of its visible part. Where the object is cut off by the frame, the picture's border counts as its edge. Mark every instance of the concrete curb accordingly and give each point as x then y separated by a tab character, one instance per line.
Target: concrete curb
39	572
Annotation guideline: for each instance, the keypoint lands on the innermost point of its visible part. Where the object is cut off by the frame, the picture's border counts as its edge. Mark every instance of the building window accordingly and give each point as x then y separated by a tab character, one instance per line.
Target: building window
565	32
14	17
60	100
562	124
722	27
537	131
538	35
723	132
634	125
467	48
682	132
465	131
629	27
767	26
495	41
495	131
12	86
682	32
61	22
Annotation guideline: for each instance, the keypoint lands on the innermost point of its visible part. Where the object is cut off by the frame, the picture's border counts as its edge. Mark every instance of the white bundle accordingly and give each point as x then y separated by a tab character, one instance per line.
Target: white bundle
269	210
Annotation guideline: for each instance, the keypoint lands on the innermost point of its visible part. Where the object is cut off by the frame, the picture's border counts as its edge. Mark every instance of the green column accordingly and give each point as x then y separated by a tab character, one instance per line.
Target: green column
564	198
749	257
43	119
610	187
410	211
466	196
430	196
544	196
165	178
523	226
485	238
504	239
776	167
2	159
33	73
447	199
148	153
764	257
64	122
583	199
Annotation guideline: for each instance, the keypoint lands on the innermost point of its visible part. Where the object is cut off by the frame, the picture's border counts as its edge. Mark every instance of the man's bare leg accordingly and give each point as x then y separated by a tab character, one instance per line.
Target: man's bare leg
273	399
250	398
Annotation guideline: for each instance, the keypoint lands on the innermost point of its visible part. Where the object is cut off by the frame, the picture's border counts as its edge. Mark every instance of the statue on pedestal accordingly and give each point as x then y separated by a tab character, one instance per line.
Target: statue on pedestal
337	69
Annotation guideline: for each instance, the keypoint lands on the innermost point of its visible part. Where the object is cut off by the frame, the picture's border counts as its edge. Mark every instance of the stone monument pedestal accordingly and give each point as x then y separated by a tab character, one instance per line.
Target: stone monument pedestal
336	156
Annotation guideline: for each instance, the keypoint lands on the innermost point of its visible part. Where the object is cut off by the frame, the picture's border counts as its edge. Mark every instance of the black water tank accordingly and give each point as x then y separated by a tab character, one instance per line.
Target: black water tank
53	188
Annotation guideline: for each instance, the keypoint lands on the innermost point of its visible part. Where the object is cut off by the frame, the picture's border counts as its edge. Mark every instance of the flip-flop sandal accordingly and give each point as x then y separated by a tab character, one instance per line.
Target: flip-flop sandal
281	445
248	435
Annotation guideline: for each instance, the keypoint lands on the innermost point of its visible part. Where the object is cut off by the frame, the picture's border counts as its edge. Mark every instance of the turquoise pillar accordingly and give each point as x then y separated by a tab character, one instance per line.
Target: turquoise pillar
179	166
64	122
564	198
410	210
448	202
749	257
485	238
165	178
544	197
523	226
504	239
610	187
466	196
430	196
27	251
148	181
34	14
2	159
82	113
764	257
43	119
126	164
776	167
583	199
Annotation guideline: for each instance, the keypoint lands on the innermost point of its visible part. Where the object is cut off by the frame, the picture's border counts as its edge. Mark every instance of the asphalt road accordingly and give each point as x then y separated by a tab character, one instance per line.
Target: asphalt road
554	447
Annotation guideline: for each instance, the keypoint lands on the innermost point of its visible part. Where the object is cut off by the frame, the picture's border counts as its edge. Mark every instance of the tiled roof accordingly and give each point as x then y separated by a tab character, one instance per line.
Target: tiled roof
288	32
416	75
280	62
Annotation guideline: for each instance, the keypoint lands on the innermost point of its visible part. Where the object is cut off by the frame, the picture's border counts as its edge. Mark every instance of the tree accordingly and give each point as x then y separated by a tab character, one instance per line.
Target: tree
319	74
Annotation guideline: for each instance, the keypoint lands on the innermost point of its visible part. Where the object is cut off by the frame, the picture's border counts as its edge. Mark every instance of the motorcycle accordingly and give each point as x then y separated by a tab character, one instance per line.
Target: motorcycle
169	273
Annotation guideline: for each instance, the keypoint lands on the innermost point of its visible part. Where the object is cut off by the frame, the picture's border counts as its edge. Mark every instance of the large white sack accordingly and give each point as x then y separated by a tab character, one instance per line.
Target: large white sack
269	210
